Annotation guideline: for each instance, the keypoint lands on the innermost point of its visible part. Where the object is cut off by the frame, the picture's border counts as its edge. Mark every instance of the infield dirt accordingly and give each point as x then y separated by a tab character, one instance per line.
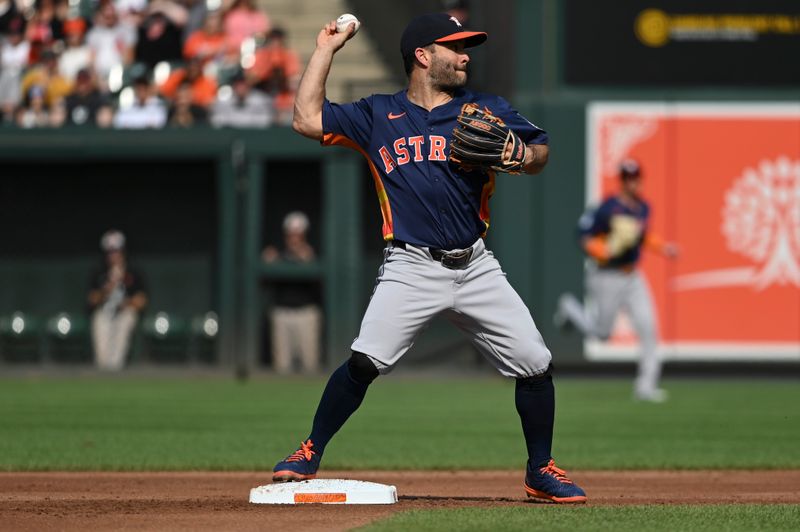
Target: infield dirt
219	501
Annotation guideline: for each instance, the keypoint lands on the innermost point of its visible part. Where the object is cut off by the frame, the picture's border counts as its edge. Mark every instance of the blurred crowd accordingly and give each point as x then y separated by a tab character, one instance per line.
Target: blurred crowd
143	64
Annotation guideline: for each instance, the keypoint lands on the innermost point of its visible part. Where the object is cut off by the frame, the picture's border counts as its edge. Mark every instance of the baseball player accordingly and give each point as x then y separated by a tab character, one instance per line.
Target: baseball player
435	213
613	236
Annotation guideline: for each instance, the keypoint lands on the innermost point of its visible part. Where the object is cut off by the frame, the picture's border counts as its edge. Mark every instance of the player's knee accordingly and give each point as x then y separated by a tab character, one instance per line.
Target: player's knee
546	375
362	369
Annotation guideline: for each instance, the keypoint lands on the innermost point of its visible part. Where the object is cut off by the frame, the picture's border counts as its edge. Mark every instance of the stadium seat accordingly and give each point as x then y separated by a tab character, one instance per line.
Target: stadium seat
166	338
19	338
67	339
203	339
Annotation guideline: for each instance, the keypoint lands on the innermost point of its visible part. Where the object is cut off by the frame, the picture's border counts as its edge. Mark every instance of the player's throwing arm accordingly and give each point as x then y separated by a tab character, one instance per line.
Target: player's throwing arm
311	92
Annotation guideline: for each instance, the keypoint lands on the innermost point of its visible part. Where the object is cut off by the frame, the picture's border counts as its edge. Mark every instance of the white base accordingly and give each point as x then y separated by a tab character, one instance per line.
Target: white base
324	491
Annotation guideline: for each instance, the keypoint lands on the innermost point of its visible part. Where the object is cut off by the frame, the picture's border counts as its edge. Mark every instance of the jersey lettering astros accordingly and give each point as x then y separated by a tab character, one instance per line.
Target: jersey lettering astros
424	199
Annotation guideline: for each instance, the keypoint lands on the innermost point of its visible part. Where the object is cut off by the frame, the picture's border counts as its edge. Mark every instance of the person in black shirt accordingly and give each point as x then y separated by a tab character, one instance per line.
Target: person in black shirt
85	105
296	316
116	298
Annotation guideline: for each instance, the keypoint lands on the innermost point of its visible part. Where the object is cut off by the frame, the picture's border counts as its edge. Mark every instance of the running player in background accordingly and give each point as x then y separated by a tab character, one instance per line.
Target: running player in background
613	236
435	261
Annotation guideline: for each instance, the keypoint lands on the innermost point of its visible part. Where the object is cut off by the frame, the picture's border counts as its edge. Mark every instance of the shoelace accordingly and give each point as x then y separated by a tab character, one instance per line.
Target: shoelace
303	453
559	474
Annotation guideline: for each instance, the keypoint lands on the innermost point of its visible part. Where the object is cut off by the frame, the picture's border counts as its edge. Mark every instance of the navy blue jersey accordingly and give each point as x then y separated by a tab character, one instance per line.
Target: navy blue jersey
424	199
598	222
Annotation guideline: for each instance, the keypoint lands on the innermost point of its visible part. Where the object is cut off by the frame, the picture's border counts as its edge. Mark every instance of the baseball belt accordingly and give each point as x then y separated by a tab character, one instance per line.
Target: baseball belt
455	259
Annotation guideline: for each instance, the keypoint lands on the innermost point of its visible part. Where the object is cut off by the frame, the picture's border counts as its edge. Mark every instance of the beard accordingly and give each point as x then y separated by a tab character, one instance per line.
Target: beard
446	77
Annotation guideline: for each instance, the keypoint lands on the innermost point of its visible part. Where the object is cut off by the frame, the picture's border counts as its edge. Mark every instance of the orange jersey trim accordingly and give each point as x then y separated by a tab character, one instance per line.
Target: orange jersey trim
335	139
486	195
596	247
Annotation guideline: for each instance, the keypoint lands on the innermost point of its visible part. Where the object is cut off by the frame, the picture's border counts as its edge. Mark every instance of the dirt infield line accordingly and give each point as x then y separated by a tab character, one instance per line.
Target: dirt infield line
214	500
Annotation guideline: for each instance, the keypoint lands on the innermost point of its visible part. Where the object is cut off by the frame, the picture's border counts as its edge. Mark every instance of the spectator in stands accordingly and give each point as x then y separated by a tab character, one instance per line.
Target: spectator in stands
14	50
244	20
86	105
111	43
183	112
203	88
276	71
76	55
34	112
241	106
45	26
282	99
272	59
146	110
116	298
296	316
160	35
8	13
196	11
46	75
130	12
209	43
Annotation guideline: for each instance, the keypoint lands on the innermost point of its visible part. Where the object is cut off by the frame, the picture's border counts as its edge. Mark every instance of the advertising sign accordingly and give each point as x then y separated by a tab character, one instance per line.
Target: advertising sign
723	181
682	42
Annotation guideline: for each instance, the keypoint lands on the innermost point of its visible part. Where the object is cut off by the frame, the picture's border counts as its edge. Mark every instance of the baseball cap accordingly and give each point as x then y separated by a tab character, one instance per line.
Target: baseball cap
629	168
436	27
296	221
74	26
112	240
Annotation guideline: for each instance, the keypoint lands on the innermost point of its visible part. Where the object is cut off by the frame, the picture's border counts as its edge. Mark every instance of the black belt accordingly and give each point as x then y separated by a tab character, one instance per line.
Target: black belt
454	259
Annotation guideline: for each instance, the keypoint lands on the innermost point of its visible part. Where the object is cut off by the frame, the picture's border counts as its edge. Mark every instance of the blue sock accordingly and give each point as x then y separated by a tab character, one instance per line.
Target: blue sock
536	405
342	397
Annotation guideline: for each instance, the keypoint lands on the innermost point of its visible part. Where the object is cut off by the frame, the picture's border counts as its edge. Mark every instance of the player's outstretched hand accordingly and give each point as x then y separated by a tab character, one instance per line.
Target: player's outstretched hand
671	250
328	38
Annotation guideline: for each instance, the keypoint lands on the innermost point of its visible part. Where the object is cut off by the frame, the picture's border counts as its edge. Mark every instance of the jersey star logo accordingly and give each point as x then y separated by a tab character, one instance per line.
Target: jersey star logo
393	116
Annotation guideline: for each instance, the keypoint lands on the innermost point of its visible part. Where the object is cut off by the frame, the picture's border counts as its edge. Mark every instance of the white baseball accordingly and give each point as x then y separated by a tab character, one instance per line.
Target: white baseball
344	21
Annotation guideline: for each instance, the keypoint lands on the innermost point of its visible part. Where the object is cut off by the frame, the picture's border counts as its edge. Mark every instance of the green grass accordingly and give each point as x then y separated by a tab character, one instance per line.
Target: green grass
212	423
672	518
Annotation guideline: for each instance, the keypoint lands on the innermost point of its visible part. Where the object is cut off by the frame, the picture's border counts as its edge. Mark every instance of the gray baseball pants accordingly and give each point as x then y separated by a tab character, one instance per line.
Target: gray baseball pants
610	291
412	288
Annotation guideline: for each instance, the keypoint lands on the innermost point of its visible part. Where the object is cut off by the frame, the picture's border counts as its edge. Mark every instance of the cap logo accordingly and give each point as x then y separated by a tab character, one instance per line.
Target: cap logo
454	19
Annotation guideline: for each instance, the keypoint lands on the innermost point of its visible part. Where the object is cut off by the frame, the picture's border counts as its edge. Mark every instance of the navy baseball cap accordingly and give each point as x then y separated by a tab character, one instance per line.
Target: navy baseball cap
436	27
629	168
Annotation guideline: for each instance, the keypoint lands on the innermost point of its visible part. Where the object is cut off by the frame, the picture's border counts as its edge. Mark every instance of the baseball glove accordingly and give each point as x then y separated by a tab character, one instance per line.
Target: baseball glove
481	140
625	234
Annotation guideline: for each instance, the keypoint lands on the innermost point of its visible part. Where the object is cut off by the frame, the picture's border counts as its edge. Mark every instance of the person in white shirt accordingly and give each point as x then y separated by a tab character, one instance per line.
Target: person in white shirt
76	55
241	107
14	51
111	42
146	110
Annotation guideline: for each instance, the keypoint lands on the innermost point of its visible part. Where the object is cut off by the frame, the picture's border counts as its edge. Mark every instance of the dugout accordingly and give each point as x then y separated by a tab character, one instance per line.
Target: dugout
197	207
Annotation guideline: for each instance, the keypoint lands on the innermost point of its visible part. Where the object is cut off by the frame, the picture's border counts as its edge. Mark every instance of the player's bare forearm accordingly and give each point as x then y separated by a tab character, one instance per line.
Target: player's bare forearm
311	93
536	158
